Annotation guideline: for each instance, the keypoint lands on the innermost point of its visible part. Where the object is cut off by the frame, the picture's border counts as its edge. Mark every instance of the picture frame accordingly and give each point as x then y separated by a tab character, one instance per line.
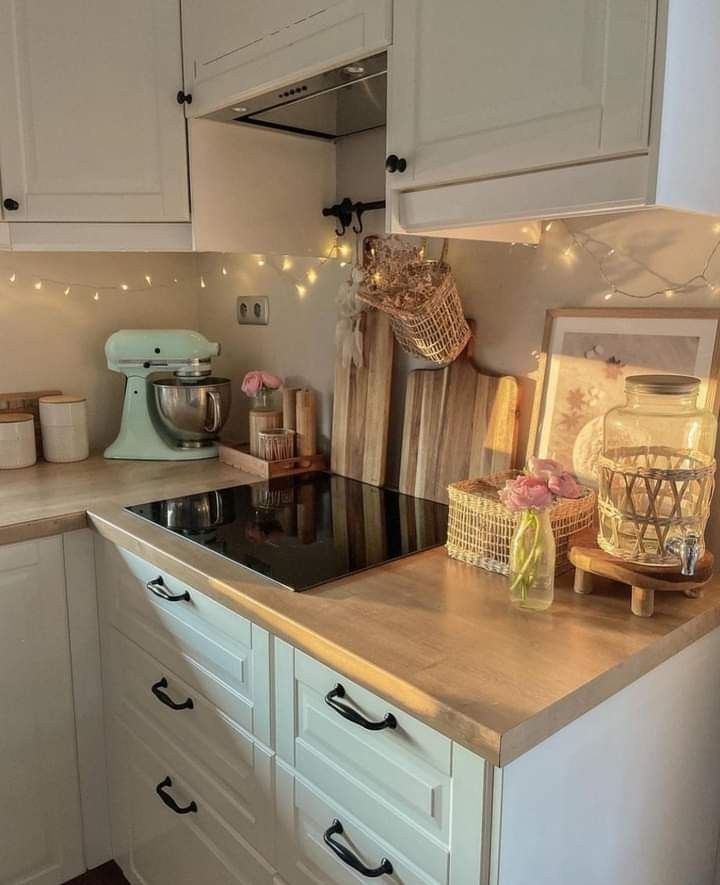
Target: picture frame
586	356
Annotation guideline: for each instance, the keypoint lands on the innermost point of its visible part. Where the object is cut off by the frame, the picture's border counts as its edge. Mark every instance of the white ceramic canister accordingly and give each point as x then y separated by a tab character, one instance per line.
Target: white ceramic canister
17	440
63	420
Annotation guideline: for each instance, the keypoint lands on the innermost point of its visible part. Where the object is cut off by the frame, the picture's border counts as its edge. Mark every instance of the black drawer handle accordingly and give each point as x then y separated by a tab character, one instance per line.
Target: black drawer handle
348	713
166	699
347	856
395	164
10	204
159	588
170	802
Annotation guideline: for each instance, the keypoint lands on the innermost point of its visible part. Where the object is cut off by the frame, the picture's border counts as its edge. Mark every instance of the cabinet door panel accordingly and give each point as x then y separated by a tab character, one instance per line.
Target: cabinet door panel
91	127
40	825
488	88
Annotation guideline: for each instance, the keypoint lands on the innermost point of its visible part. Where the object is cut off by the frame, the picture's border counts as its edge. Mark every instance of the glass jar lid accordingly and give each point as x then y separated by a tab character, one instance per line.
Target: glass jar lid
670	385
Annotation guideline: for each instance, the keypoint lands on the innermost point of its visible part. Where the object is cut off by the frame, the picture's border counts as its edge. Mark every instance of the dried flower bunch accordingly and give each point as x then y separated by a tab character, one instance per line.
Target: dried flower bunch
397	274
541	485
258	380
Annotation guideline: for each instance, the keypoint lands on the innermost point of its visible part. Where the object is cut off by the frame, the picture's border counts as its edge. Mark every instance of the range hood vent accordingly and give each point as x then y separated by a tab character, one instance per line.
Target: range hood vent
341	102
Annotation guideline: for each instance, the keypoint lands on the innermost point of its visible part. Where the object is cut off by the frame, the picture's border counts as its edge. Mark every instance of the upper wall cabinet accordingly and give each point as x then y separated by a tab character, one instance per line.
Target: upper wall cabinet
234	50
506	110
90	126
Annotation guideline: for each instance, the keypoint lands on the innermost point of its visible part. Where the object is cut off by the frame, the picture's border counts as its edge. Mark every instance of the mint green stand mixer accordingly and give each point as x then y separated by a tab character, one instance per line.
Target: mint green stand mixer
174	408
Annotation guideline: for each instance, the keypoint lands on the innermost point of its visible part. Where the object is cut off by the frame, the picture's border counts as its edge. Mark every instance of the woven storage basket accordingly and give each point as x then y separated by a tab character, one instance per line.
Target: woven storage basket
480	526
419	296
648	496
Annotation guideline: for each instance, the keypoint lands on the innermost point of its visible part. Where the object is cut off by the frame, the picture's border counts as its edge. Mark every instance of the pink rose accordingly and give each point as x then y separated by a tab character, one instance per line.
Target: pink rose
255	381
271	381
252	383
526	493
564	486
544	467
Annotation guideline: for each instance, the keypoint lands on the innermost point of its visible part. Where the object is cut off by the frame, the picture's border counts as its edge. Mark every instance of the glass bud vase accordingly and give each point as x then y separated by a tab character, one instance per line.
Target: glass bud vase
263	401
532	561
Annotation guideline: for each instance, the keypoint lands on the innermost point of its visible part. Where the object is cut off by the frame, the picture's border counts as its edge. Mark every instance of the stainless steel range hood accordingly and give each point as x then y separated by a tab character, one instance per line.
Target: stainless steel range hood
341	102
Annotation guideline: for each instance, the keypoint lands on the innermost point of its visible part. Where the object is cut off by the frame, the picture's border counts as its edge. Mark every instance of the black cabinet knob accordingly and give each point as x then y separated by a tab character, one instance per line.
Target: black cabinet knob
10	204
395	164
184	97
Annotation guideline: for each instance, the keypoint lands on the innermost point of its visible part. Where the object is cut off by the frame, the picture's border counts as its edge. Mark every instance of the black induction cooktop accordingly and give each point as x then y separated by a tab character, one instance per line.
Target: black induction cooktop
304	530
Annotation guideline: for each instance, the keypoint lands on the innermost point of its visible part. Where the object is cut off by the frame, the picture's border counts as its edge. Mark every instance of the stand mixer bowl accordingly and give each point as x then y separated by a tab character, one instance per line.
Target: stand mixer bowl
193	411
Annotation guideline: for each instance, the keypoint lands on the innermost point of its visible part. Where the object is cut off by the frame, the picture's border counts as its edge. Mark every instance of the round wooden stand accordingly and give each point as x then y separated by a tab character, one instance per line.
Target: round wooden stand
644	580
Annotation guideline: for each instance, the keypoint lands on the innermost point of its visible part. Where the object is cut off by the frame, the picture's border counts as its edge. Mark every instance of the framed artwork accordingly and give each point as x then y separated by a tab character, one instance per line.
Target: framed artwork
587	354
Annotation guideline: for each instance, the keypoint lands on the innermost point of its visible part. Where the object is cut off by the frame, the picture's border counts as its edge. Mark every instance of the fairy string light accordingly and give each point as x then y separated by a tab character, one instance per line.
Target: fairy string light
600	252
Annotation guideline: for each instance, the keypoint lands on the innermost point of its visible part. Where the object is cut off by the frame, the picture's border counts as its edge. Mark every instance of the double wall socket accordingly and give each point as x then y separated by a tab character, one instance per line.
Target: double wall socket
253	310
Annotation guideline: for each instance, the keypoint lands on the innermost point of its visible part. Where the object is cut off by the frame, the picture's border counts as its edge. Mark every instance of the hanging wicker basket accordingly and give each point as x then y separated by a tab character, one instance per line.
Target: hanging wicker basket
480	526
419	296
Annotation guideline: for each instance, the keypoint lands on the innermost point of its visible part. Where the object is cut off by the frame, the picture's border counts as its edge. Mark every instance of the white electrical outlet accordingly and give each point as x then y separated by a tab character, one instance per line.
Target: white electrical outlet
253	310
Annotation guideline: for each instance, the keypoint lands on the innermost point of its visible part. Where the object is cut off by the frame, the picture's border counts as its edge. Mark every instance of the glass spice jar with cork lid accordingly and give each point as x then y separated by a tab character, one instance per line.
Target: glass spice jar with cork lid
657	472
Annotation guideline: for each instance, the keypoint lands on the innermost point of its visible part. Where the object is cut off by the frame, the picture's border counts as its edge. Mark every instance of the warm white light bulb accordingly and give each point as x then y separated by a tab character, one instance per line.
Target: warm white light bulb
96	296
312	276
67	290
38	285
343	264
287	263
261	261
124	287
608	296
669	293
224	271
301	290
203	284
148	279
13	277
548	226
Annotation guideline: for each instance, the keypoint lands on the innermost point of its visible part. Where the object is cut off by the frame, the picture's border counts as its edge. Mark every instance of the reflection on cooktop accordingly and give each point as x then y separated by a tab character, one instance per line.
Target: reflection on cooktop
304	530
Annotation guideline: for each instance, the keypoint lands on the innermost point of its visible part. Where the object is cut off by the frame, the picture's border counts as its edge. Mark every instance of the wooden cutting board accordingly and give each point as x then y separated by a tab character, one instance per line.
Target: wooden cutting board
459	424
27	402
361	406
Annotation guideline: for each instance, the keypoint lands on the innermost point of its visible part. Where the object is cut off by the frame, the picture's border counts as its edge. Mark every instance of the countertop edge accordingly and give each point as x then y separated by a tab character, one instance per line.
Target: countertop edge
43	528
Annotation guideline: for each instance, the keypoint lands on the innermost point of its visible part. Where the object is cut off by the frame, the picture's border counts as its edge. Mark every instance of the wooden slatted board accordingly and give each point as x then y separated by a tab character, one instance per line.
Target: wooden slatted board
361	406
459	424
27	402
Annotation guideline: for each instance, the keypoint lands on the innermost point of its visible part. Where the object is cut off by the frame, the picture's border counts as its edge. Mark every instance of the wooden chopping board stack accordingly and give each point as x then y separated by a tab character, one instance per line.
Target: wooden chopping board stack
459	423
361	406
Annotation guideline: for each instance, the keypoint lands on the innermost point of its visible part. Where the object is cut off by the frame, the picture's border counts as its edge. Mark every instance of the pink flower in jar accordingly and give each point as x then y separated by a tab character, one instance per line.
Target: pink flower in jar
257	380
526	493
564	485
544	468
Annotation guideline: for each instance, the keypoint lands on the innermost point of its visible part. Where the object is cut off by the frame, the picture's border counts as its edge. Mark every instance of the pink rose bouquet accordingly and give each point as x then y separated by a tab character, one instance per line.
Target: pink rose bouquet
256	381
532	549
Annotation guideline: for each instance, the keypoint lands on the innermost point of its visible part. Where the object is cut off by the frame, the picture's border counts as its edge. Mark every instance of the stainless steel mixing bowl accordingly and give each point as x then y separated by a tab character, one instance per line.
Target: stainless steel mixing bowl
193	412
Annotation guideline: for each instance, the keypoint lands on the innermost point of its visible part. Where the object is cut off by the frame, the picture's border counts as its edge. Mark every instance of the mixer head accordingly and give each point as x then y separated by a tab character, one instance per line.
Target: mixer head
140	352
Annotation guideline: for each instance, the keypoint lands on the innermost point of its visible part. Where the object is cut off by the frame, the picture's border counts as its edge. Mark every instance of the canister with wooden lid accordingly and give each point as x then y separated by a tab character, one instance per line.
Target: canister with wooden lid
17	440
63	420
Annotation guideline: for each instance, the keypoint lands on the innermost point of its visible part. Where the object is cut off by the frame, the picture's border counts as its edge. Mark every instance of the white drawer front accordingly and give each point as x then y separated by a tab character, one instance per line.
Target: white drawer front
304	815
398	778
164	847
199	730
216	651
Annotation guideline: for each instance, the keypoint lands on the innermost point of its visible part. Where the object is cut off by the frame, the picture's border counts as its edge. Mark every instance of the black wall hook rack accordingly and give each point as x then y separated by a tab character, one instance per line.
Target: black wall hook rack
345	210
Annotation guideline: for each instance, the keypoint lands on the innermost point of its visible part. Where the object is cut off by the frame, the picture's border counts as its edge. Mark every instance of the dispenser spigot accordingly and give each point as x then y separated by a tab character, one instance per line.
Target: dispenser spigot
688	549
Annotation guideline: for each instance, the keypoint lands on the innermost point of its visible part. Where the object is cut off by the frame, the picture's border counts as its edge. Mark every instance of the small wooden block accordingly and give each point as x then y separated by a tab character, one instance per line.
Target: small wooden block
583	582
643	602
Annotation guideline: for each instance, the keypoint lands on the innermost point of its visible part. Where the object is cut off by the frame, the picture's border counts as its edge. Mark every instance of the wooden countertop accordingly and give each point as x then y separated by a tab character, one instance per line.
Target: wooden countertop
435	636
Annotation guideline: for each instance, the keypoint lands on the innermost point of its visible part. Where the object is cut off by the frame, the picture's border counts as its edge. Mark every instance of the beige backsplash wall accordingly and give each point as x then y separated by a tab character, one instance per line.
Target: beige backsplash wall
49	340
506	289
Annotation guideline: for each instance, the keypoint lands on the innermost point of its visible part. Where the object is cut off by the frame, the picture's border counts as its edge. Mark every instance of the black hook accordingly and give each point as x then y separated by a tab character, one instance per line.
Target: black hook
345	210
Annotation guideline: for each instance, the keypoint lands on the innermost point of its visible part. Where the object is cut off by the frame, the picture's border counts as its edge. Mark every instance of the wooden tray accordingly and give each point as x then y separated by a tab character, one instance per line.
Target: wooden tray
238	455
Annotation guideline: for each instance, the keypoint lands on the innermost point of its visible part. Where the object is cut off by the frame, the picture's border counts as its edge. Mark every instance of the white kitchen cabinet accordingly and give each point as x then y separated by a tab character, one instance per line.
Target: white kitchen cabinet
234	50
40	817
510	111
90	126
